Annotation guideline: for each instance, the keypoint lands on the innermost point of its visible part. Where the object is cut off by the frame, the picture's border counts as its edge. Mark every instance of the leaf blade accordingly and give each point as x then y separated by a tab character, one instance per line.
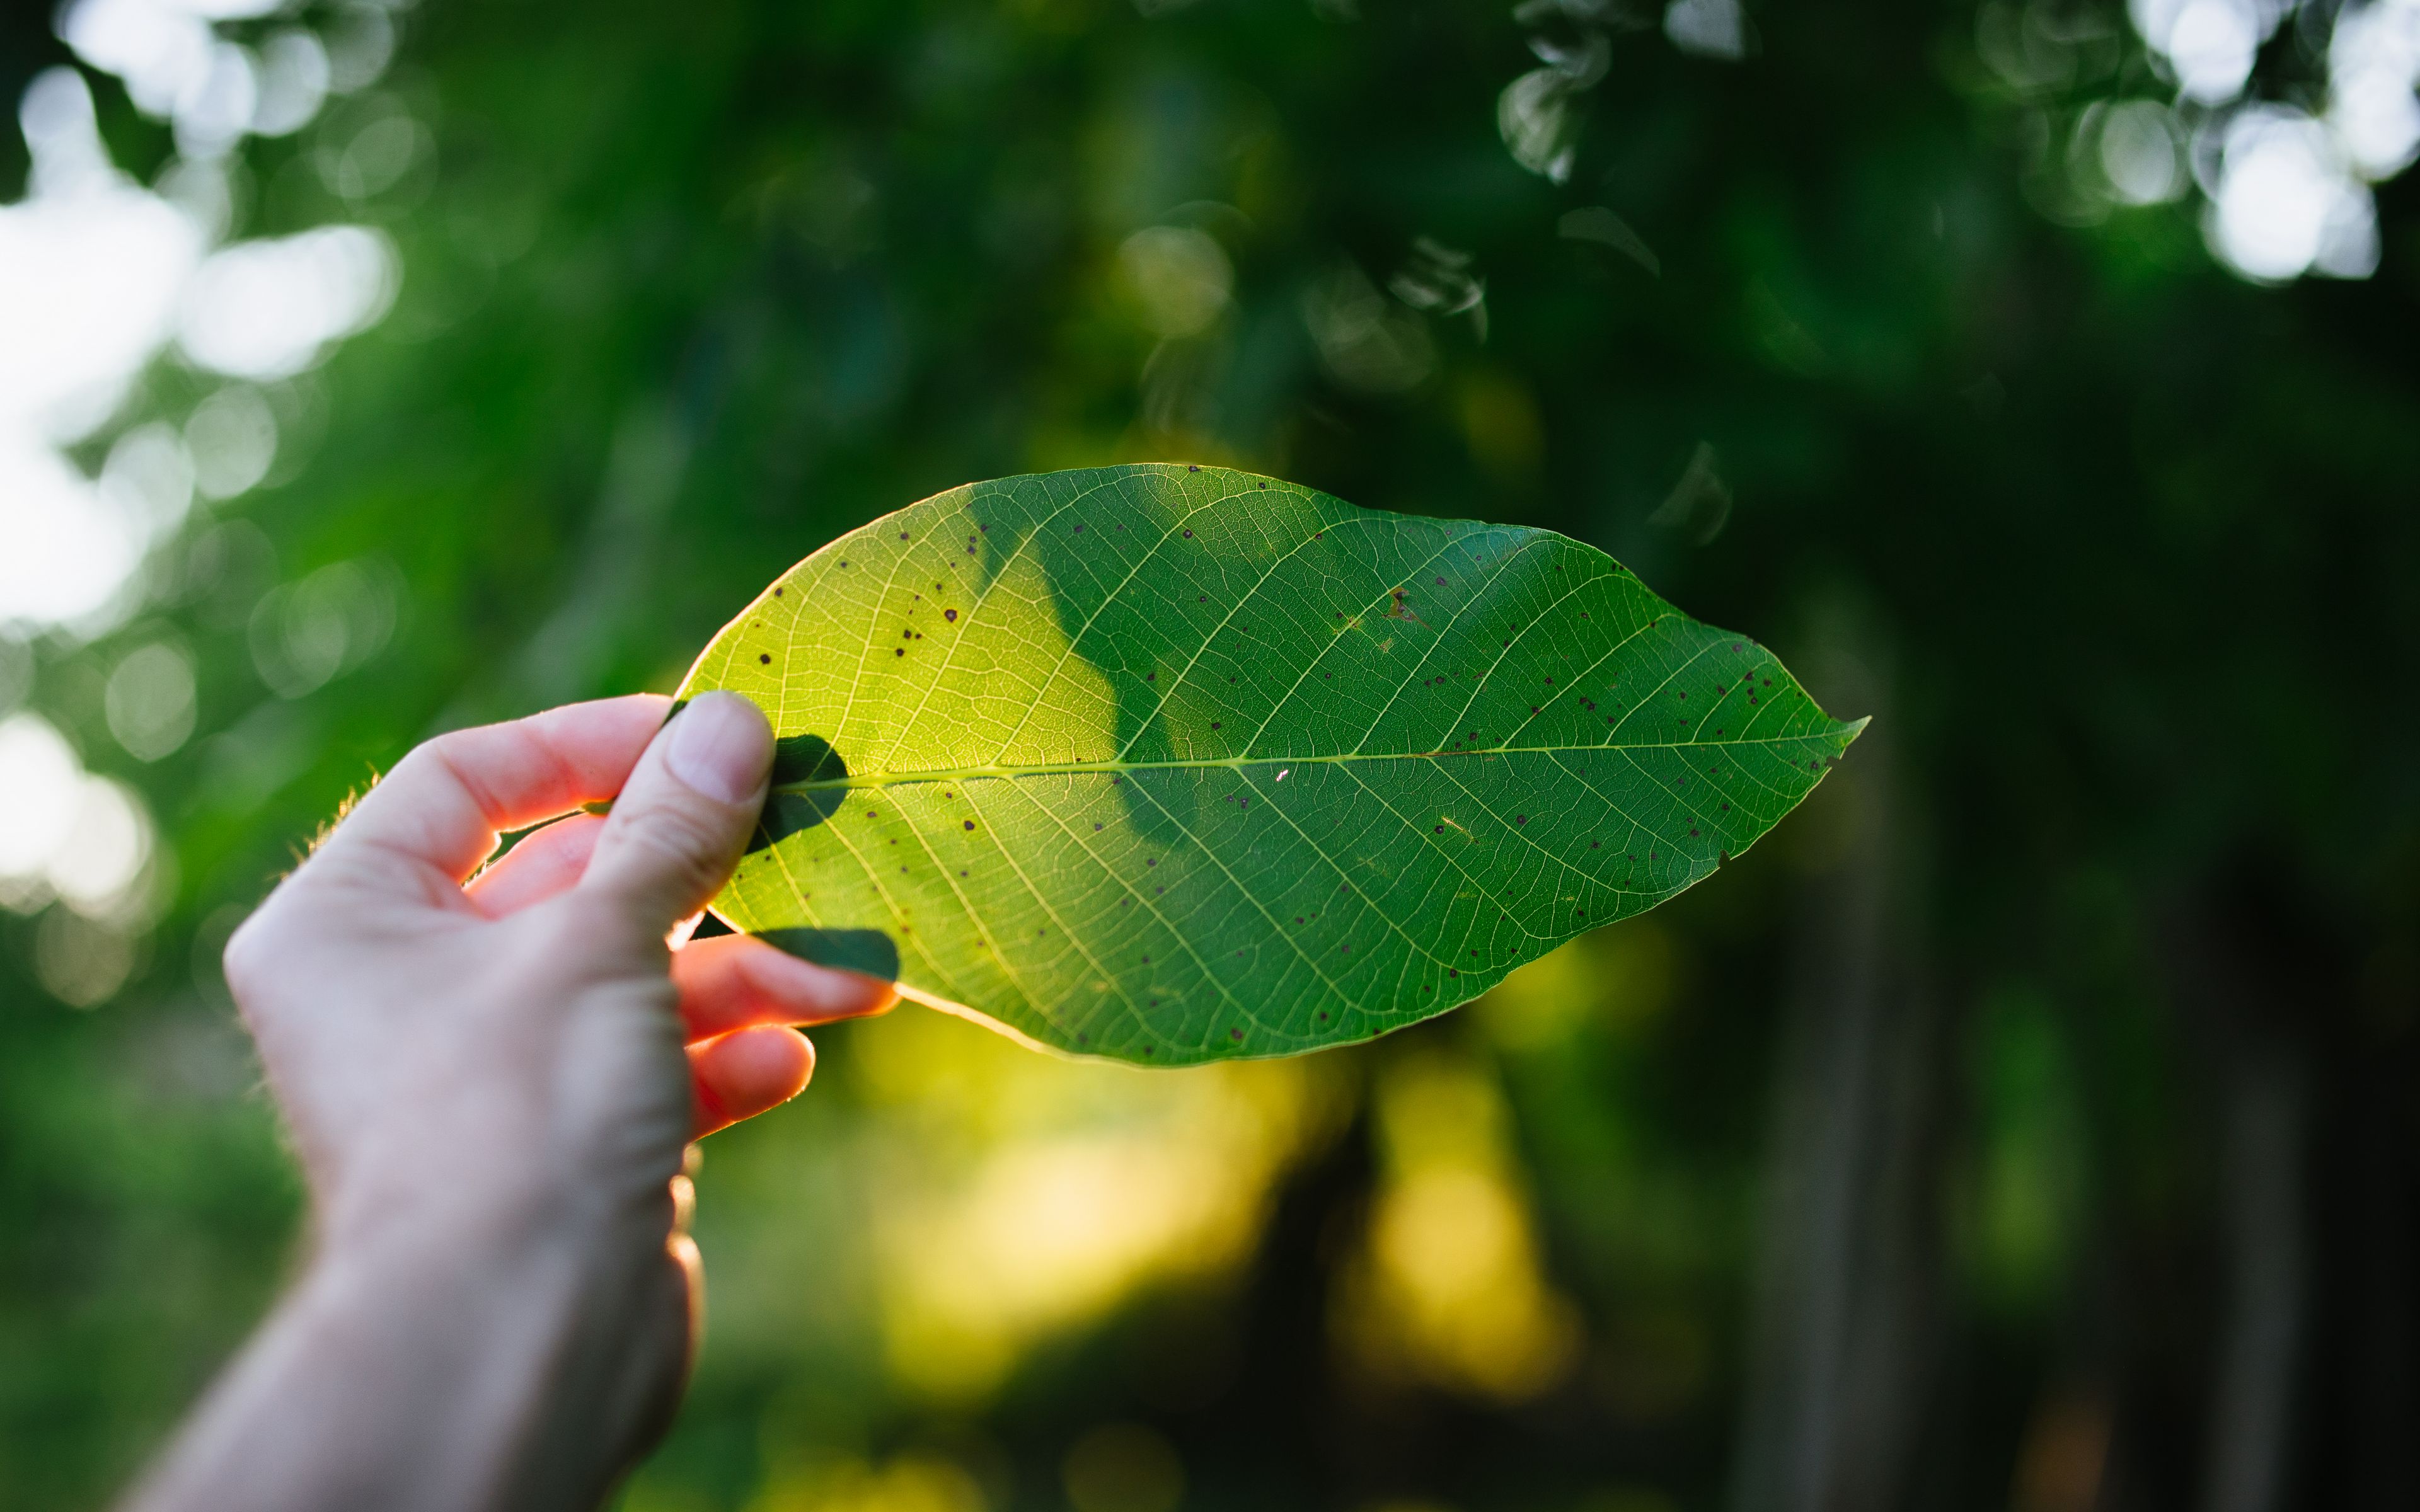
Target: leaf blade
1026	710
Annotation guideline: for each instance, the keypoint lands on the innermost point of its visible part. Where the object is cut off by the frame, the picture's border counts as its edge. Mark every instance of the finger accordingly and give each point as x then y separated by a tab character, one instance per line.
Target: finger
546	862
734	982
745	1072
690	804
445	803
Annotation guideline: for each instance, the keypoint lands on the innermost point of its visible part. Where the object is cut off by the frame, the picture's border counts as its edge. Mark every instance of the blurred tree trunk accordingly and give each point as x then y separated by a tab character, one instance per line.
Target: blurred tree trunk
2312	1398
1848	1292
2263	1219
2236	989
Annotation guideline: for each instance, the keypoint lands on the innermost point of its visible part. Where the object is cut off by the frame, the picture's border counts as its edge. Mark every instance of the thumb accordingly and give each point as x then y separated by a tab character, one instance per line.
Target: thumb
678	825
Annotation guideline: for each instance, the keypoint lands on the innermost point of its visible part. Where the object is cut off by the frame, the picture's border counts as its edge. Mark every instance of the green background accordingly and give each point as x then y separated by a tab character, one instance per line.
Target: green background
2028	1122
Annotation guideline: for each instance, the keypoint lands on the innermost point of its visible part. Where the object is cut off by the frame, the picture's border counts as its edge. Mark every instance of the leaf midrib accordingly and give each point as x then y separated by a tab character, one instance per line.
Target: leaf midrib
961	774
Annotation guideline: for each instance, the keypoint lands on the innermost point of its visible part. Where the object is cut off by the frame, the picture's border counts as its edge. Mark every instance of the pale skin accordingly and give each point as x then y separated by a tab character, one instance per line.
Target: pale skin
490	1074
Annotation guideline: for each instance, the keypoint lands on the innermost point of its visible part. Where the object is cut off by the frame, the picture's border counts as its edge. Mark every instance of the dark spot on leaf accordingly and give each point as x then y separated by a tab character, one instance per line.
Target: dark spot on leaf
777	593
950	615
765	659
899	651
970	824
1231	1034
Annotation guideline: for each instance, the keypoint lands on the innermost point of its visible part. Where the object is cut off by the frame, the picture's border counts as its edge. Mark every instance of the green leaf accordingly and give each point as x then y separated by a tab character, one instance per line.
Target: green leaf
1173	763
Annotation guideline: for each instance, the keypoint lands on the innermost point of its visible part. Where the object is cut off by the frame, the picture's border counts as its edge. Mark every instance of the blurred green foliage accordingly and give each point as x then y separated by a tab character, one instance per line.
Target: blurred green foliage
2029	1122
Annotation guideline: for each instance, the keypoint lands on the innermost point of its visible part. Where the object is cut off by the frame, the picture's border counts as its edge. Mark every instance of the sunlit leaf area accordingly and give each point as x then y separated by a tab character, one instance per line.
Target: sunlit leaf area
2026	1121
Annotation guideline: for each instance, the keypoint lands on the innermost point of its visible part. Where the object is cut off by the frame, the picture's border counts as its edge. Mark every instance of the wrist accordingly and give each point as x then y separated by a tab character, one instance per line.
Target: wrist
537	1351
440	1364
508	1216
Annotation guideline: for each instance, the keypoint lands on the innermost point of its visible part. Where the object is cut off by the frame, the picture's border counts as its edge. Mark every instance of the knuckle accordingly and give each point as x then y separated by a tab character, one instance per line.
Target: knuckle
246	957
417	760
682	844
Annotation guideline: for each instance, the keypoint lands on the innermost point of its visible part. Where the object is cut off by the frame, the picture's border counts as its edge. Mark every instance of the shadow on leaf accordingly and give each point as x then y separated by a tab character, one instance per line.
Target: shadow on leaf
867	951
799	759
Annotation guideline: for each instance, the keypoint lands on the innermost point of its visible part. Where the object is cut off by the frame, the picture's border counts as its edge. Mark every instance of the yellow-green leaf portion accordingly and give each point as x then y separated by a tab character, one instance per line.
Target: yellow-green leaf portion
1173	763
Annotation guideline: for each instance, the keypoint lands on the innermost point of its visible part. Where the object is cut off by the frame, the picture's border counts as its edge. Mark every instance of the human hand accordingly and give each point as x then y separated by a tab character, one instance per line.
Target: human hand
491	1077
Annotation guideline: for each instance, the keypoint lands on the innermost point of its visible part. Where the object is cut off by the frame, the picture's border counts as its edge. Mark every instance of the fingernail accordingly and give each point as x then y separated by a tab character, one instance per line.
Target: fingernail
722	746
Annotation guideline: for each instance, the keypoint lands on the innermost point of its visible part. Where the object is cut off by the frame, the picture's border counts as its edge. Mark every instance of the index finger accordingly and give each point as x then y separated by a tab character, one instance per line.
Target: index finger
445	803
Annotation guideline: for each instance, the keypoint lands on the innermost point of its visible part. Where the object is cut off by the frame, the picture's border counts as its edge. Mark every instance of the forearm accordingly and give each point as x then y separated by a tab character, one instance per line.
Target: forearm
450	1370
